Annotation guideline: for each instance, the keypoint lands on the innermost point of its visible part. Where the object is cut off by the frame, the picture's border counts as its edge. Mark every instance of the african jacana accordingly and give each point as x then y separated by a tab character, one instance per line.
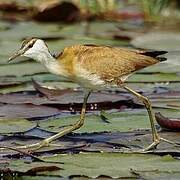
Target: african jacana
93	67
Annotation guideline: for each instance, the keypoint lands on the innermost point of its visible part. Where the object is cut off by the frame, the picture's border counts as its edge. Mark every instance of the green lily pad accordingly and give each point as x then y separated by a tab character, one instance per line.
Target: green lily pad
8	126
119	121
113	165
94	123
21	69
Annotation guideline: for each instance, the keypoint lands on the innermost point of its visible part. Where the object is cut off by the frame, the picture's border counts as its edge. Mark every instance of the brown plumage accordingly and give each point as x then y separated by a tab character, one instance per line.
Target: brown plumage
107	62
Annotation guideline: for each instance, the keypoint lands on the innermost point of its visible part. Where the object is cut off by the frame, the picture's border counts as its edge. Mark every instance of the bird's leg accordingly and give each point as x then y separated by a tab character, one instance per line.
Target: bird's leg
155	136
149	109
77	125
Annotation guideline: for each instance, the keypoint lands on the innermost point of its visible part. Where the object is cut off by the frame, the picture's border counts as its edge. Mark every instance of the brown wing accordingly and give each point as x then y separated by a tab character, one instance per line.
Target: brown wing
107	62
110	63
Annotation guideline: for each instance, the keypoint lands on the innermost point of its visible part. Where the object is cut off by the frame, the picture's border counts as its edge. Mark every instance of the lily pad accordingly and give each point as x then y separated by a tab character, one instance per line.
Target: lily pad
22	69
93	165
65	97
27	111
8	126
169	41
119	121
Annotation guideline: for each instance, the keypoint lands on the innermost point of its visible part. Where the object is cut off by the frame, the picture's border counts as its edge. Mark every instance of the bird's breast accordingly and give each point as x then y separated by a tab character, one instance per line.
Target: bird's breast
87	79
79	75
56	68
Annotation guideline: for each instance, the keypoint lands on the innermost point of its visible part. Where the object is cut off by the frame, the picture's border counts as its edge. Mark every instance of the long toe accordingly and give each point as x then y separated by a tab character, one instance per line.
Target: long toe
152	146
34	146
170	142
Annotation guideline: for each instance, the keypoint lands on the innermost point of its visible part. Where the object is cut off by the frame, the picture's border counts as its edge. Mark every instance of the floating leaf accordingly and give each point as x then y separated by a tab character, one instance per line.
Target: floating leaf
119	121
27	111
113	165
122	121
22	69
8	126
68	99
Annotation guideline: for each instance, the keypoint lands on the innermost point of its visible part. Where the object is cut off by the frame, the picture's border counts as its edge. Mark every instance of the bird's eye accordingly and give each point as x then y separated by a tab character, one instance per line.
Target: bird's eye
31	45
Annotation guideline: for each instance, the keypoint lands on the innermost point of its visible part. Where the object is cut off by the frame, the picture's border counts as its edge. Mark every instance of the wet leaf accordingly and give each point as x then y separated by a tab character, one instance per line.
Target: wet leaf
114	165
118	121
92	124
8	126
22	69
116	142
27	111
106	164
66	98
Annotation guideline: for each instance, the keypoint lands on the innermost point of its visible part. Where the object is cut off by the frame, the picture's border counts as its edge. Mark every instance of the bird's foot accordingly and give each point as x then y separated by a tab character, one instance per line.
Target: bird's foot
157	142
35	146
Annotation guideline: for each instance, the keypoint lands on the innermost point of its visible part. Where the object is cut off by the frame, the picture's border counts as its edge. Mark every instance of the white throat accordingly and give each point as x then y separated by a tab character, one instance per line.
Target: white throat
39	52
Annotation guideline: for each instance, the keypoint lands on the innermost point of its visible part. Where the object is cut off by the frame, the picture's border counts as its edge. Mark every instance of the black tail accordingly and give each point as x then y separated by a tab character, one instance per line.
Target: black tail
155	54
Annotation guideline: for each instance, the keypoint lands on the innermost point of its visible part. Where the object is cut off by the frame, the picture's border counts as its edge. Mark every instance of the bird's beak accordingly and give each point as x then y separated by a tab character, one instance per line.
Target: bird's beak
16	54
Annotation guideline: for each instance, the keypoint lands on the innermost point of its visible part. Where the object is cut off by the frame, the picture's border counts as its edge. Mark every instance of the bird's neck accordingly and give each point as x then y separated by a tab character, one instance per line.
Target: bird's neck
44	58
52	65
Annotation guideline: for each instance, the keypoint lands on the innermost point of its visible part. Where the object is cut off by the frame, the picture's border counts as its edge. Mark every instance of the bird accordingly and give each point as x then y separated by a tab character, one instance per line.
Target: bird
93	67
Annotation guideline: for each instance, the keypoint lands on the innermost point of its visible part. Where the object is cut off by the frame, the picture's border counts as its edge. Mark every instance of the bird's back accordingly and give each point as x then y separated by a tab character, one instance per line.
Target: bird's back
106	63
109	62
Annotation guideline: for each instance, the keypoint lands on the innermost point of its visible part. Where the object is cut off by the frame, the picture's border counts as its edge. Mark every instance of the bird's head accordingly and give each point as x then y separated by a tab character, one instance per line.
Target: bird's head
32	48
